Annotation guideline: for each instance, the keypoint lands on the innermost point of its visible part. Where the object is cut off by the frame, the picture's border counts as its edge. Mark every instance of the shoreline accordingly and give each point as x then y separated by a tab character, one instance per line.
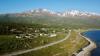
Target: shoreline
87	50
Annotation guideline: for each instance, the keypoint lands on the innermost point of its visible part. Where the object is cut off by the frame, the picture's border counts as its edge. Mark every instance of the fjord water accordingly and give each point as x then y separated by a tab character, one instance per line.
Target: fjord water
95	36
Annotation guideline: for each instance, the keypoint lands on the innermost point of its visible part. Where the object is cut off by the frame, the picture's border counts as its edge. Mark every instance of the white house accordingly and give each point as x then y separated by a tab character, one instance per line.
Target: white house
18	37
53	35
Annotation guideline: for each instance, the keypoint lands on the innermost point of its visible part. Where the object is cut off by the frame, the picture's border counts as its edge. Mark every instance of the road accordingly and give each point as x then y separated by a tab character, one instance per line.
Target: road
86	50
37	48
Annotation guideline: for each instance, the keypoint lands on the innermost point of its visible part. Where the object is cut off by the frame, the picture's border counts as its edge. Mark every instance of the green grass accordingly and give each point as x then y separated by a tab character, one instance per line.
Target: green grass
66	48
8	43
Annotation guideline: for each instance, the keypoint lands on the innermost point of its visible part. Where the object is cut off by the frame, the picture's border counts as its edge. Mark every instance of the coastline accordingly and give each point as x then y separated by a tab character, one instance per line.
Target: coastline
87	50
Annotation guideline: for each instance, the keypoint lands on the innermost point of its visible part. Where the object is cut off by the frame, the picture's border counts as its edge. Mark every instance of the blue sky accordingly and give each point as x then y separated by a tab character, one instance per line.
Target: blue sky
13	6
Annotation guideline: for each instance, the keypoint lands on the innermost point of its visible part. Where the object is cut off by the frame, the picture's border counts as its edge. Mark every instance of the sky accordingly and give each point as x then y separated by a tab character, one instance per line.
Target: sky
16	6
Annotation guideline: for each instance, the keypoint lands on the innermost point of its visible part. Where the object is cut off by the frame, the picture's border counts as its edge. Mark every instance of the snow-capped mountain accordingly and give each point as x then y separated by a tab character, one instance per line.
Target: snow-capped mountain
63	14
40	11
79	13
48	17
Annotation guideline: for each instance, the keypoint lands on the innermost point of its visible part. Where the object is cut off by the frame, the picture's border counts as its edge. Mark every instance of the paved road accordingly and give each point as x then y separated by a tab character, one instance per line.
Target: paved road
37	48
86	50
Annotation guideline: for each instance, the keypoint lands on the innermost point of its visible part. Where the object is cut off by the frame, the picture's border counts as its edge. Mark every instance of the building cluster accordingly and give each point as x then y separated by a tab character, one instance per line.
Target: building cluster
42	32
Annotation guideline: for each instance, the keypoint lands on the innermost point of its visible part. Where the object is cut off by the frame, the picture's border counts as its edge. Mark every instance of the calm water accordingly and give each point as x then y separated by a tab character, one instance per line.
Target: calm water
95	36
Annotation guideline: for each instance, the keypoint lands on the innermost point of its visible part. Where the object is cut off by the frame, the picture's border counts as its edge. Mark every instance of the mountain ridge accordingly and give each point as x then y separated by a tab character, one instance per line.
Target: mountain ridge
65	13
47	17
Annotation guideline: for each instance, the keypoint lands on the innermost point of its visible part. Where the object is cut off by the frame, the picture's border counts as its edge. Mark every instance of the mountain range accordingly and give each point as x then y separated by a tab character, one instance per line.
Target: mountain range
68	18
65	13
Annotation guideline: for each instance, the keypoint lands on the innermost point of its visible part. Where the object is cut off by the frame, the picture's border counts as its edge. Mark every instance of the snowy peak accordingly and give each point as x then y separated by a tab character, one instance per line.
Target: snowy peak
79	13
64	14
38	10
43	11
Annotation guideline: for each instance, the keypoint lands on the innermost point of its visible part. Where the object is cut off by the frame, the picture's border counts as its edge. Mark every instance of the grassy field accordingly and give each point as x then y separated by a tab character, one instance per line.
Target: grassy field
9	43
66	48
